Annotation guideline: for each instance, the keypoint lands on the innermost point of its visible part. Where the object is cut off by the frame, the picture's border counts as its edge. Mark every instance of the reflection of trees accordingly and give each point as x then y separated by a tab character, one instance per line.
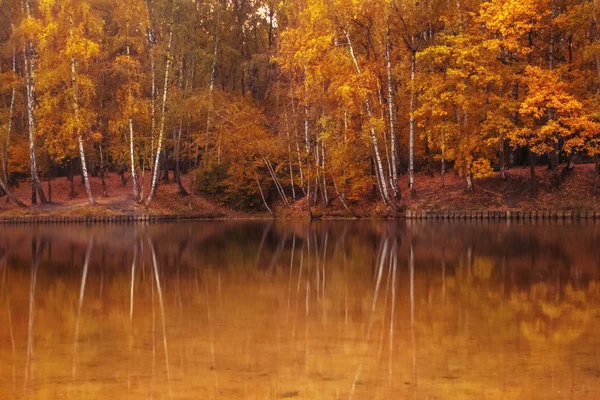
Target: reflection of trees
553	315
324	306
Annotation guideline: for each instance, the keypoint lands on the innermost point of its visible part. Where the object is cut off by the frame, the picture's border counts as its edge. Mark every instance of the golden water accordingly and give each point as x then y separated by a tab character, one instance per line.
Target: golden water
328	310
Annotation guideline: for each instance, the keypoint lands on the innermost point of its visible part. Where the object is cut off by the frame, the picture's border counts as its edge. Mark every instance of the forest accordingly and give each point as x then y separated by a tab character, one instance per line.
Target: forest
275	102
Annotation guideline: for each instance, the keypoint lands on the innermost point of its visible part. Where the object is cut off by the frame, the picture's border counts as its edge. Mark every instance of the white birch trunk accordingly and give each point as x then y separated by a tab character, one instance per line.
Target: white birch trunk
324	174
295	121
84	172
30	89
213	72
289	143
411	135
263	196
392	116
162	123
152	109
378	162
136	194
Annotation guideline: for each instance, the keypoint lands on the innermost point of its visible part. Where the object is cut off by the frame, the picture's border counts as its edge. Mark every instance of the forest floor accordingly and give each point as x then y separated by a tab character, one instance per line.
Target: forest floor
492	193
118	200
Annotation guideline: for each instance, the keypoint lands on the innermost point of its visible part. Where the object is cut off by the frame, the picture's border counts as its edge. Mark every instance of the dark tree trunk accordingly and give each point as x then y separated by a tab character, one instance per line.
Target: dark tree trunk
50	172
71	178
552	164
532	170
596	172
428	159
165	166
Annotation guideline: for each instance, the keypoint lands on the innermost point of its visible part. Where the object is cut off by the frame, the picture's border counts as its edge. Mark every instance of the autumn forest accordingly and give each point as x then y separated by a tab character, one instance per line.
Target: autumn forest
296	101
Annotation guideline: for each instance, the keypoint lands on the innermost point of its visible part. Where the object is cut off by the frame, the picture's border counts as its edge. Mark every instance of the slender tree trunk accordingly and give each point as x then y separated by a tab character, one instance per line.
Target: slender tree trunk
379	165
165	165
102	168
411	135
555	181
289	145
9	123
596	172
36	187
443	172
296	139
211	87
84	171
72	178
392	114
152	110
324	174
263	196
49	183
162	122
532	169
276	182
182	190
18	202
134	181
502	161
469	178
341	197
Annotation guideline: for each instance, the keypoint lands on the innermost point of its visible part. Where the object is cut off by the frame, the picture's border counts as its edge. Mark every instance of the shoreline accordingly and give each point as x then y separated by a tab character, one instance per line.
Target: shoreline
447	215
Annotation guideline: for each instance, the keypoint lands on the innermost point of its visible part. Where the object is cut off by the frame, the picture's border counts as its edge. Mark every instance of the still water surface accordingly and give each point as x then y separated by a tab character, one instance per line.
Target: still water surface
328	310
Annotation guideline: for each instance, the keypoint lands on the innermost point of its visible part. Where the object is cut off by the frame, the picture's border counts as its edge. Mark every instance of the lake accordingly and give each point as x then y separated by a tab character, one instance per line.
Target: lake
300	310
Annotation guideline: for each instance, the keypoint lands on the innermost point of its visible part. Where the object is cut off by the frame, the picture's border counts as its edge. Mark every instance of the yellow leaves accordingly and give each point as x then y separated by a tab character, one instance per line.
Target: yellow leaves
551	114
481	168
80	48
30	27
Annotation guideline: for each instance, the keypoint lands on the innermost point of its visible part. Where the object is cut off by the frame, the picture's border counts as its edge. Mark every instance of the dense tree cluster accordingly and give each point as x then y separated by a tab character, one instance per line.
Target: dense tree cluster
317	99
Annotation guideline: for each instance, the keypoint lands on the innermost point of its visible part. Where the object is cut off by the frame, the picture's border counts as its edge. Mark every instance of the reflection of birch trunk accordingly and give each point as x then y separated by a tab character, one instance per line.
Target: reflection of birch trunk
80	304
35	253
393	306
162	313
411	264
212	336
298	290
287	314
135	252
12	342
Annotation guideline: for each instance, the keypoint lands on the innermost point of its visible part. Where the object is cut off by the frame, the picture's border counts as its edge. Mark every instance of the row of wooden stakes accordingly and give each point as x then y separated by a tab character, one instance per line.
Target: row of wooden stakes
90	219
504	214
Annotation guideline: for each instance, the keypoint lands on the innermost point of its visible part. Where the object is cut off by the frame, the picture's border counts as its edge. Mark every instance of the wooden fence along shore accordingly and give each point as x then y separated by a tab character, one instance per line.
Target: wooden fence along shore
501	214
523	215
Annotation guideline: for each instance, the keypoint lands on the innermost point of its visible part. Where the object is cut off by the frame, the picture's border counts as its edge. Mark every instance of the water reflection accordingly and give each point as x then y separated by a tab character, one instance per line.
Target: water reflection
356	310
